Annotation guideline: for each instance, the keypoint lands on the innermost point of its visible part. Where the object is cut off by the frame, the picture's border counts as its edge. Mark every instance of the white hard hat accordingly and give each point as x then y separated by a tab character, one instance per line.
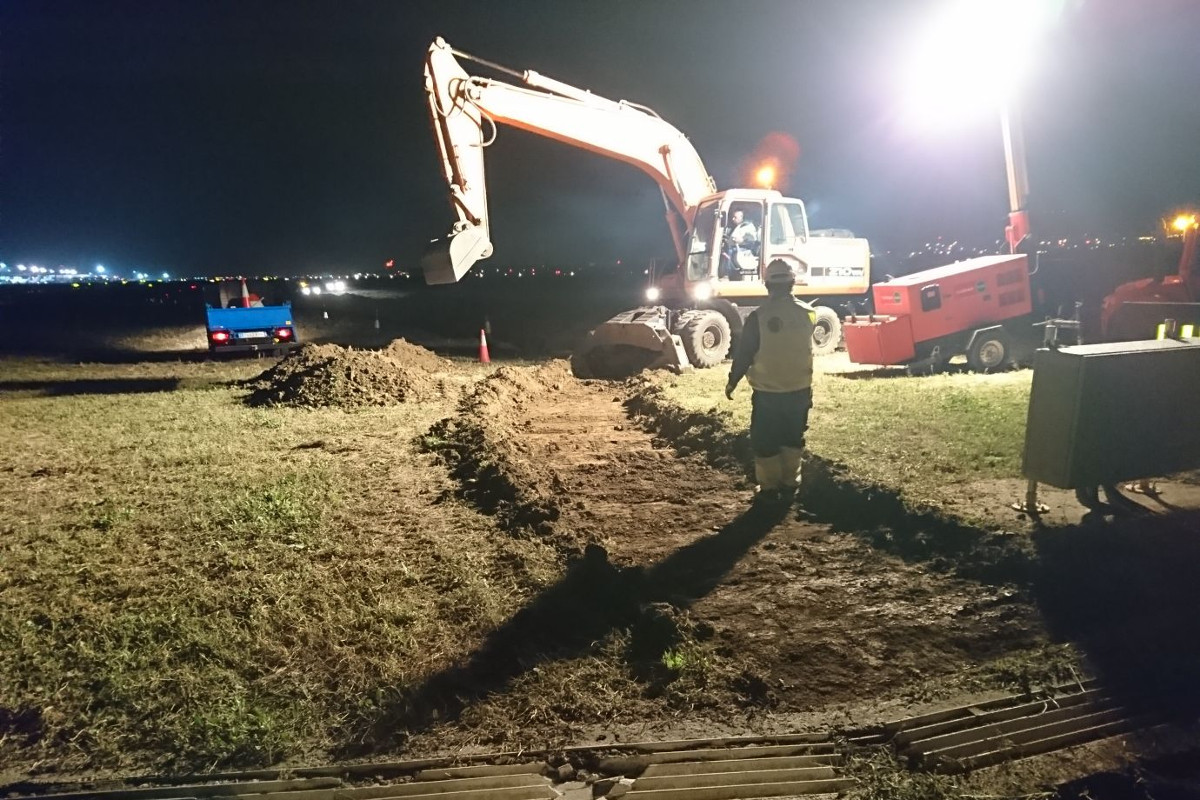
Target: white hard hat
780	271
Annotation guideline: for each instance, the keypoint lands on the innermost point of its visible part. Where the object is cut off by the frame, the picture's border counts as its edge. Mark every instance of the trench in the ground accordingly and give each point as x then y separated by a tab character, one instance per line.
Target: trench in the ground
814	614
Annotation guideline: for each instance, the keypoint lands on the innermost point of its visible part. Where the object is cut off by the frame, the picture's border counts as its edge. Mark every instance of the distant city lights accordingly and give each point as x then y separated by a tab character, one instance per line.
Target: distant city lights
1169	226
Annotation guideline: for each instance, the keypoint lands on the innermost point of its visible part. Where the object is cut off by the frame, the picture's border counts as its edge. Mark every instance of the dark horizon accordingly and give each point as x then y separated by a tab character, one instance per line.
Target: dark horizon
293	137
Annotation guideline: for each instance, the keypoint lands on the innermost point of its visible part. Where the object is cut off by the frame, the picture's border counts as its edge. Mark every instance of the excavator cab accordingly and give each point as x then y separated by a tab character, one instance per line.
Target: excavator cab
725	243
737	233
741	247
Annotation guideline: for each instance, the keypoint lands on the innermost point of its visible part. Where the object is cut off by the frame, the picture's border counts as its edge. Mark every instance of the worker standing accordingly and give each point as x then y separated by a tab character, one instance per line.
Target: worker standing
775	355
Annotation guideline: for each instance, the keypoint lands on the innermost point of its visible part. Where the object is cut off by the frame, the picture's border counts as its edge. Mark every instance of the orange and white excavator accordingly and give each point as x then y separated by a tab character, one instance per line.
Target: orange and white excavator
723	239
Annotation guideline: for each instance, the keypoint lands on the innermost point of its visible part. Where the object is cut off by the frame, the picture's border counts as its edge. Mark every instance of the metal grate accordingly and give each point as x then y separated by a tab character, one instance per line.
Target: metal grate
971	737
786	770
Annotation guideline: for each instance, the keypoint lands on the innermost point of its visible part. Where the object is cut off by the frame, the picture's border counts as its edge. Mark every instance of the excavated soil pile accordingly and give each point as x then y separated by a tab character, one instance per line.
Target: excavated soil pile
487	453
327	375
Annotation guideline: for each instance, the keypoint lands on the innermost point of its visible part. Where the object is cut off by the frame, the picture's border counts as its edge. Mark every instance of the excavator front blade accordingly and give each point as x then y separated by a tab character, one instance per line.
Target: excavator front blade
447	261
628	343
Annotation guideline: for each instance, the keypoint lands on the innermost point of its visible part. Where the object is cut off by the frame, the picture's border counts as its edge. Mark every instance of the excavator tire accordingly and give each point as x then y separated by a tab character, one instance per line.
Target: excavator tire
706	338
827	332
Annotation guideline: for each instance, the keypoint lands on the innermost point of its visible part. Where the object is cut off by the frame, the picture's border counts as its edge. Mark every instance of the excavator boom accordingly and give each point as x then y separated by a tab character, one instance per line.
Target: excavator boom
466	109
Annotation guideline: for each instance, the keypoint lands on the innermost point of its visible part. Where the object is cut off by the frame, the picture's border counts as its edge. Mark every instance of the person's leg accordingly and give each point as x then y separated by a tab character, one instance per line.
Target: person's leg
764	440
794	425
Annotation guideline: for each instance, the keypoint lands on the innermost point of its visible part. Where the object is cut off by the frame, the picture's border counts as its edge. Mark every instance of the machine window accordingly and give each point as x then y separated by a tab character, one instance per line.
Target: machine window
795	213
786	223
703	232
931	297
781	231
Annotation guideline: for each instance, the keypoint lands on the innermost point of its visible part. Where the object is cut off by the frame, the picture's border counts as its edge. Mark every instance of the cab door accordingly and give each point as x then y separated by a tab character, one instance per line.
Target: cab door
832	264
785	233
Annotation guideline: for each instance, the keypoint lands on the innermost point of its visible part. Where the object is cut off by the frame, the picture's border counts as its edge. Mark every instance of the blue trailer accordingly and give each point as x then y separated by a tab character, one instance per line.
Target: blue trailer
256	329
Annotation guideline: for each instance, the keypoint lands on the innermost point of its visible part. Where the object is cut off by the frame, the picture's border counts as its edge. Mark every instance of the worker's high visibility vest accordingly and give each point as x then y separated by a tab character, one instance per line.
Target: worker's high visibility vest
784	361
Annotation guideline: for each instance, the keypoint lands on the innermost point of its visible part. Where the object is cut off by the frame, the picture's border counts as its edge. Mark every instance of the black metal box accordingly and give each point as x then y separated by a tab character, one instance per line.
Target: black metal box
1104	413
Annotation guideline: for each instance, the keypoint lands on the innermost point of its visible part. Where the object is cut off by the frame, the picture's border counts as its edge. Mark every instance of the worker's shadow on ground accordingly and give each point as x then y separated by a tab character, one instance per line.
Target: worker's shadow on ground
1127	594
84	386
593	599
1124	589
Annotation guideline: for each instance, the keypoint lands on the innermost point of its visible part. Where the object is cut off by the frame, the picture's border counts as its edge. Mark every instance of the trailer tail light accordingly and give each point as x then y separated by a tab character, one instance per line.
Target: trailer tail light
284	334
219	337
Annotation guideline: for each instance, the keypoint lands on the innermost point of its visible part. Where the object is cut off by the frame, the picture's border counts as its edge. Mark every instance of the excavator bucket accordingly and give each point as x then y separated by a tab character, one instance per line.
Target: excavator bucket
628	343
448	260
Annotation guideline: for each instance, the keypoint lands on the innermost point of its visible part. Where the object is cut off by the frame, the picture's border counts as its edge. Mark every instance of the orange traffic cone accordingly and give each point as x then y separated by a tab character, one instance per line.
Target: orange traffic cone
484	358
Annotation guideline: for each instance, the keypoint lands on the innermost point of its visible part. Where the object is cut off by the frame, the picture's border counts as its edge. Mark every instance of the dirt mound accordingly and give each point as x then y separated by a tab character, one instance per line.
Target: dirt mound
484	450
507	390
327	375
706	433
414	357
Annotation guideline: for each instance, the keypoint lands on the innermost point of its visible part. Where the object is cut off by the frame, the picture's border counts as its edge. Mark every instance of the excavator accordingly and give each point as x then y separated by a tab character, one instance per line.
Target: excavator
723	240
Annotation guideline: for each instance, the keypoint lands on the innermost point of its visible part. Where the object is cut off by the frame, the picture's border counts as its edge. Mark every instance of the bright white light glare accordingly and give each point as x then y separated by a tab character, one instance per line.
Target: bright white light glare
652	294
336	287
99	269
702	291
305	290
970	57
316	290
166	276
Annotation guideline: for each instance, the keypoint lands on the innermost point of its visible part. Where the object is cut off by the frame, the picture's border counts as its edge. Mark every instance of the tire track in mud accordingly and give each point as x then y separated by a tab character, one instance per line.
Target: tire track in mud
819	616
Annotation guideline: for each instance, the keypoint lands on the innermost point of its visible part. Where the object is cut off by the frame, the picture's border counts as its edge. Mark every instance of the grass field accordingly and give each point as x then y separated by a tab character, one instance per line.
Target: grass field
924	436
186	582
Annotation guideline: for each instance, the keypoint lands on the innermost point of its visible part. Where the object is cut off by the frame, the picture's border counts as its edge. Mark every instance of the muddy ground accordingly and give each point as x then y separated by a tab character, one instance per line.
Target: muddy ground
683	609
844	610
814	616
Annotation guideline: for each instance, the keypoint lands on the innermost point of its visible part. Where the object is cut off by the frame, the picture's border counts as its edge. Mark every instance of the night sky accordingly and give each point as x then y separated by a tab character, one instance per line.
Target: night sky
212	136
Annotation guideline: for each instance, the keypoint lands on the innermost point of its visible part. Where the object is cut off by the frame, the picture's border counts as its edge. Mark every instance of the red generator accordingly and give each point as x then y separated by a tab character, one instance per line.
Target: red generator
980	307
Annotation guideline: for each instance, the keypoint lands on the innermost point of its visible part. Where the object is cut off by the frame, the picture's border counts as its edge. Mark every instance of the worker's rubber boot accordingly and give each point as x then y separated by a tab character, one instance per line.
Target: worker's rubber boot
768	472
790	467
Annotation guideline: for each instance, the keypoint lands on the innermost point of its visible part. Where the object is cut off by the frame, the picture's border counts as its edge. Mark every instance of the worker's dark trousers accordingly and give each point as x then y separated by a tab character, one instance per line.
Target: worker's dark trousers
778	422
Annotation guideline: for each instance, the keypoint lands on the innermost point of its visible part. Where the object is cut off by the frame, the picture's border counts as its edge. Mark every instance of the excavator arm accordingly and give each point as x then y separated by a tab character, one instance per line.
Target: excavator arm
466	110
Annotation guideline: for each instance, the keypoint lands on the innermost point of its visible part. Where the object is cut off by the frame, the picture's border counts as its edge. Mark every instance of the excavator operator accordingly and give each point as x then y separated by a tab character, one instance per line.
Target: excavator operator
741	238
775	355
